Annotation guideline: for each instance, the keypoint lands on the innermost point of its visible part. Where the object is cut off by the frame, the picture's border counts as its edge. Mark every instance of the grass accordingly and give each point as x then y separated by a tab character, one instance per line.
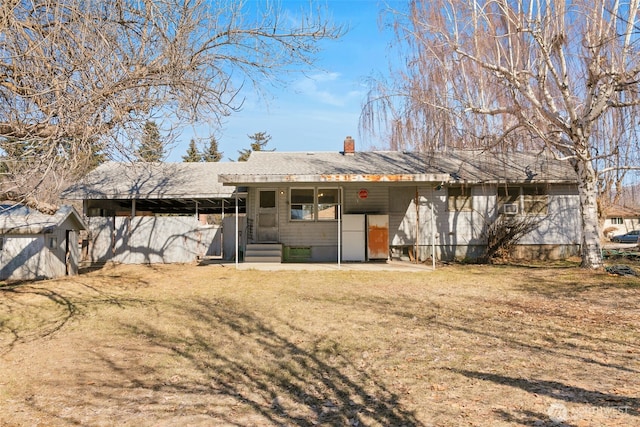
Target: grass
208	345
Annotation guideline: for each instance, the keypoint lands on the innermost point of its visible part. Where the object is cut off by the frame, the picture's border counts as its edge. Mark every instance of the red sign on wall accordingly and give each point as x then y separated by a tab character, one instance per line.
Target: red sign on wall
363	193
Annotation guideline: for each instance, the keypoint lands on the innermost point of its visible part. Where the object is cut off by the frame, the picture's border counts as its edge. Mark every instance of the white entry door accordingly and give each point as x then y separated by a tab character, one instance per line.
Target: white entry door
267	230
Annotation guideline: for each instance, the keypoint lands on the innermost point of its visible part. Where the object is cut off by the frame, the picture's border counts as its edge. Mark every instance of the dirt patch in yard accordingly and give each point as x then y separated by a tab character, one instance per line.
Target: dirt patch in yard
209	345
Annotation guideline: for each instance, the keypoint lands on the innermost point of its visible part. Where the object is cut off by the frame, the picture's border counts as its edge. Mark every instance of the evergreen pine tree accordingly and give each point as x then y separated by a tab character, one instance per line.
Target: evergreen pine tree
260	141
151	147
193	155
212	154
244	154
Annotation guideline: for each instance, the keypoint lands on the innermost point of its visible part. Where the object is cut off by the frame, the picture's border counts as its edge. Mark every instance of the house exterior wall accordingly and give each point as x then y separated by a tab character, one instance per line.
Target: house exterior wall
147	240
628	224
417	230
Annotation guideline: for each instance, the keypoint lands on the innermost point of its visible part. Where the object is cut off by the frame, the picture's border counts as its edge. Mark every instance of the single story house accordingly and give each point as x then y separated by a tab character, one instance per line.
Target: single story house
358	206
34	245
139	213
332	206
620	220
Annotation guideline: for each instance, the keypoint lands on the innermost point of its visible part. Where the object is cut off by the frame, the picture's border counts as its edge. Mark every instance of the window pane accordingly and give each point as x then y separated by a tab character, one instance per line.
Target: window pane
536	205
302	195
535	199
459	198
267	199
302	204
328	199
302	212
328	195
327	211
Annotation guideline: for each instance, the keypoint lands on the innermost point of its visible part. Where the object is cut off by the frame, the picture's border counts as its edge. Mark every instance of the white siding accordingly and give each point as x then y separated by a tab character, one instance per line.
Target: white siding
26	257
562	224
377	200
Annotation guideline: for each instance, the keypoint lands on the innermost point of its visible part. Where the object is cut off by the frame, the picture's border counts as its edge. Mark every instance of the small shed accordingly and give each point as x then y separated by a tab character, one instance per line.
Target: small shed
34	245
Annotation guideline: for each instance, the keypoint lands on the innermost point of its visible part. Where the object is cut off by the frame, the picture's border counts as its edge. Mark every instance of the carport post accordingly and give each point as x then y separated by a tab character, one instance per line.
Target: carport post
339	233
433	238
237	231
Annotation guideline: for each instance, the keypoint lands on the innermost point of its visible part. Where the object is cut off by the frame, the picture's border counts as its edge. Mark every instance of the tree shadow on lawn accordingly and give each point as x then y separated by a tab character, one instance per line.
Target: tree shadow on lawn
227	365
35	310
559	391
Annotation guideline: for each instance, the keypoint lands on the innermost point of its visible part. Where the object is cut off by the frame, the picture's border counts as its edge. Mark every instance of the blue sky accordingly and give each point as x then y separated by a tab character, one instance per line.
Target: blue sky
315	111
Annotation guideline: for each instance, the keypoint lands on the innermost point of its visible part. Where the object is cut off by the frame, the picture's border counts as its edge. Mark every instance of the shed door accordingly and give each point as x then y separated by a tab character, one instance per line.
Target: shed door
267	216
71	253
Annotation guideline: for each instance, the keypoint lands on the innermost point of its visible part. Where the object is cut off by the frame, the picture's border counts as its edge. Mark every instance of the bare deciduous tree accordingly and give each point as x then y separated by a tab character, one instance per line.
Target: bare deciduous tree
506	74
81	75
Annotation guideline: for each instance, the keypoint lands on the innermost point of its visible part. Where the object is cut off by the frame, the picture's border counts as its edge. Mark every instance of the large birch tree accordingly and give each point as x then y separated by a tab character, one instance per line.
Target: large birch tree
503	74
84	76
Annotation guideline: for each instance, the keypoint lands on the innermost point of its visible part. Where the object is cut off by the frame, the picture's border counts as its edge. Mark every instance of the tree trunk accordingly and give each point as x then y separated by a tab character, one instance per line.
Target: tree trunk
590	249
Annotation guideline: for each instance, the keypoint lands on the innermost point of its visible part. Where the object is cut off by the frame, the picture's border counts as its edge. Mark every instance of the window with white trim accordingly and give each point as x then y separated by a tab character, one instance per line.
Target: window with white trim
459	199
302	204
528	200
617	221
328	200
314	204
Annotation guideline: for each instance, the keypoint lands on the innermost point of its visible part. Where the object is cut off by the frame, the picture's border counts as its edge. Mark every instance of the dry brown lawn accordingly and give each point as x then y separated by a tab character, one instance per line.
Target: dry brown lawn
208	345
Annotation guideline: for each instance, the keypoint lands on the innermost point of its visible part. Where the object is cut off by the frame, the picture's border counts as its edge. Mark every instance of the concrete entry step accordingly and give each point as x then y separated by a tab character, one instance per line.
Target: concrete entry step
263	252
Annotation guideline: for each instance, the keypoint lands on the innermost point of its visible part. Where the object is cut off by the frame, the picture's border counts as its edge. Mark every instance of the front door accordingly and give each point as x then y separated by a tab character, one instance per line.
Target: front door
267	216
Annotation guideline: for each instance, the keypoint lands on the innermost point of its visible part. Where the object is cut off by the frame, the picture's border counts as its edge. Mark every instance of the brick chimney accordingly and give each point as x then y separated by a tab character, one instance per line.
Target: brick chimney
349	146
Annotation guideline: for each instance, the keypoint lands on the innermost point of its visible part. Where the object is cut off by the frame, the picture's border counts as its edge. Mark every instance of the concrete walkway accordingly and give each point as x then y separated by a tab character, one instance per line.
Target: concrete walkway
399	266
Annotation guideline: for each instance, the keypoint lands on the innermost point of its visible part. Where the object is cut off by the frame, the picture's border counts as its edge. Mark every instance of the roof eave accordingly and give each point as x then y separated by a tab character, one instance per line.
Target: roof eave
240	179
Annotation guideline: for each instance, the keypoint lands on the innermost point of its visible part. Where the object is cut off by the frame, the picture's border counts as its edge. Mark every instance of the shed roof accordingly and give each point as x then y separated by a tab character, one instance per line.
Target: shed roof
19	219
139	180
391	166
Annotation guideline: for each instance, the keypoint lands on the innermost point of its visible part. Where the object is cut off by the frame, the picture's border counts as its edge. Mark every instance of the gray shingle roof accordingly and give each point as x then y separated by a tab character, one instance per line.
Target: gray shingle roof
19	219
204	180
137	180
452	166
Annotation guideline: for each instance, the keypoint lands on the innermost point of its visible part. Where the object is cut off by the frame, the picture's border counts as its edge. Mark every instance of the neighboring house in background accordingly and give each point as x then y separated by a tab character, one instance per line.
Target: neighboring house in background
376	205
34	245
157	212
330	207
620	220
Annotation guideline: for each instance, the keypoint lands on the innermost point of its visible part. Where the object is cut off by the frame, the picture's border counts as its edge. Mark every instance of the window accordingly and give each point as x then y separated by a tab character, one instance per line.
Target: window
53	242
314	204
328	199
535	200
302	204
531	200
459	199
267	198
1	243
617	221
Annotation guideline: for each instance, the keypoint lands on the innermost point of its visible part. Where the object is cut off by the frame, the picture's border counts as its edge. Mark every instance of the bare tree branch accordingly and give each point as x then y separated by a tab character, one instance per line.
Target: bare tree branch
81	74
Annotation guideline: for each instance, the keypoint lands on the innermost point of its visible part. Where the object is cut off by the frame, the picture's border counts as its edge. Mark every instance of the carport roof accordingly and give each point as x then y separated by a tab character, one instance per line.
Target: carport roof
139	180
463	166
